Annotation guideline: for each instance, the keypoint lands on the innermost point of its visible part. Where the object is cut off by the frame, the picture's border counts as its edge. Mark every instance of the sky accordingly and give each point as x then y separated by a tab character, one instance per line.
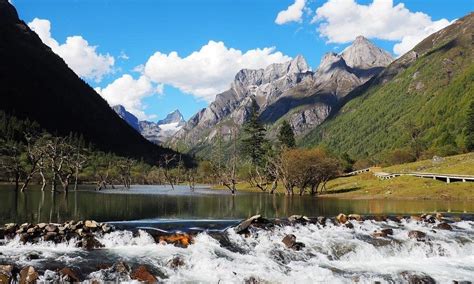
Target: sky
155	56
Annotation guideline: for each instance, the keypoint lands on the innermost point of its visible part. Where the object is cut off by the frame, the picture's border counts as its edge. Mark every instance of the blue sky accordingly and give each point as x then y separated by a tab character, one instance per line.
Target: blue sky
128	33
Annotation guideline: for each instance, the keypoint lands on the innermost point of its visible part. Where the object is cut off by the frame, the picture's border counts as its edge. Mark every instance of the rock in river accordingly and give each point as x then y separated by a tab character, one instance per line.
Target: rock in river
290	242
28	275
142	274
417	235
6	273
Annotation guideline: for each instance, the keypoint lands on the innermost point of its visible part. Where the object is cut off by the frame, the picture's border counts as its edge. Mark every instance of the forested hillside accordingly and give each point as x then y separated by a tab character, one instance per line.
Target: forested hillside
417	106
36	84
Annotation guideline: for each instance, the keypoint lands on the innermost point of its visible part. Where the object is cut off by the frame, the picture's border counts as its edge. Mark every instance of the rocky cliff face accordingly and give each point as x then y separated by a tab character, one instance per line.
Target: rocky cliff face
156	132
287	91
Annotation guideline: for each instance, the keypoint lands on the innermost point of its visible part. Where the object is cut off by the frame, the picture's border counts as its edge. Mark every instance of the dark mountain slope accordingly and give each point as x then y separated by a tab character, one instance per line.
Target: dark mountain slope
37	84
427	90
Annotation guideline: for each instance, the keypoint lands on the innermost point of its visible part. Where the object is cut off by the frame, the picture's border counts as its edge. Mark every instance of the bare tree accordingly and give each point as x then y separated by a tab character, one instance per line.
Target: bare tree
228	173
125	167
191	177
35	151
78	161
166	163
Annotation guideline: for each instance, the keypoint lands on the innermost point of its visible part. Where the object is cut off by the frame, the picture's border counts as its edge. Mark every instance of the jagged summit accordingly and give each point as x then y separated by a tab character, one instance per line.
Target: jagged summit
156	132
363	54
331	61
172	117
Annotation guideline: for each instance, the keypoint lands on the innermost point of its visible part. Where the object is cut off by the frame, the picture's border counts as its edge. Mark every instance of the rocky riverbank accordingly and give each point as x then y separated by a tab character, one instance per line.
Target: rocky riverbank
291	239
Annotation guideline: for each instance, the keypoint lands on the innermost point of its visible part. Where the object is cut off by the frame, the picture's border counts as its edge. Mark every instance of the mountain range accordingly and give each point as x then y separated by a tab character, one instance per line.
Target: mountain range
360	101
290	91
37	84
156	132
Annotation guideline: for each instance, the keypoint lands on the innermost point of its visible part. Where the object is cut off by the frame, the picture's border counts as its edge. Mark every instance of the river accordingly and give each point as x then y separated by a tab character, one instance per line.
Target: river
332	253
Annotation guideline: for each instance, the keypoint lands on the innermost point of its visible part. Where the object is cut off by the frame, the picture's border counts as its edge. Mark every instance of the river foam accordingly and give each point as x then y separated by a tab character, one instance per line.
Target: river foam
332	253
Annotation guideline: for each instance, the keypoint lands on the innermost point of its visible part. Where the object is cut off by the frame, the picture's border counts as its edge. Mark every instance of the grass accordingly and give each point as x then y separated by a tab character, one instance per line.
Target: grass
367	186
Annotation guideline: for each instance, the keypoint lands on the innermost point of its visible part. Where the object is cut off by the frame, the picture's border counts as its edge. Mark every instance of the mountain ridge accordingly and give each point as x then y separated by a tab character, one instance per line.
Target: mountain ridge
426	90
156	132
37	84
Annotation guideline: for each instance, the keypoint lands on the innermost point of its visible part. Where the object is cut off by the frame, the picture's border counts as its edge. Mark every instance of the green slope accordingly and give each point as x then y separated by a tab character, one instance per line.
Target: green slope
432	91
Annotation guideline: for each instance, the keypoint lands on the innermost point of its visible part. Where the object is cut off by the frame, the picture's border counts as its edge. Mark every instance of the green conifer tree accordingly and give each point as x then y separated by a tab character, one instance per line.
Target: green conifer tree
286	136
253	137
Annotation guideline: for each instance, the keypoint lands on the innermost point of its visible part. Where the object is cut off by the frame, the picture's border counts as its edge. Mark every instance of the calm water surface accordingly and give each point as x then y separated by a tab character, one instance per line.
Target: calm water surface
161	202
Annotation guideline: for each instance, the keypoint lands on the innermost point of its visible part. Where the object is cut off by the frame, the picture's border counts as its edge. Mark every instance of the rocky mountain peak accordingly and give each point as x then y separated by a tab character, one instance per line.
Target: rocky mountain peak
363	54
127	116
330	61
278	70
172	117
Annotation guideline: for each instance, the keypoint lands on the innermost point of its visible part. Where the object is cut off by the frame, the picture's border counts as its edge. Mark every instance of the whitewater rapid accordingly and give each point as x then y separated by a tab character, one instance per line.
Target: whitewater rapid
332	254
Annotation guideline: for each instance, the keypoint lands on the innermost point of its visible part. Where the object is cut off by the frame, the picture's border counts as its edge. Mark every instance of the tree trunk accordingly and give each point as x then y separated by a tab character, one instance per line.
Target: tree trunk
274	186
43	180
53	182
76	174
25	184
17	180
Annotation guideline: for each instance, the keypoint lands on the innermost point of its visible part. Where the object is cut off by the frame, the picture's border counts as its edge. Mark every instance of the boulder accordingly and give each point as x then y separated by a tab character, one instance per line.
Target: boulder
28	275
176	262
68	275
414	278
121	267
382	233
91	224
416	235
349	225
6	274
41	225
89	242
444	226
31	230
355	217
300	219
290	242
142	274
243	227
106	228
439	216
341	218
321	220
179	240
50	236
51	228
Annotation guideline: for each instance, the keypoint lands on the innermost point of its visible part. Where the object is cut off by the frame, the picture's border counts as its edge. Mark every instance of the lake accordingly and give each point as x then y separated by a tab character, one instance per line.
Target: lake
161	202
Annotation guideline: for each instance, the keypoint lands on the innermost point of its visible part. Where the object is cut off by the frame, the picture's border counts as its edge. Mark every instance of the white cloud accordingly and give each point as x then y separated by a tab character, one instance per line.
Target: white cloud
208	71
409	41
340	21
76	52
293	13
129	92
123	56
